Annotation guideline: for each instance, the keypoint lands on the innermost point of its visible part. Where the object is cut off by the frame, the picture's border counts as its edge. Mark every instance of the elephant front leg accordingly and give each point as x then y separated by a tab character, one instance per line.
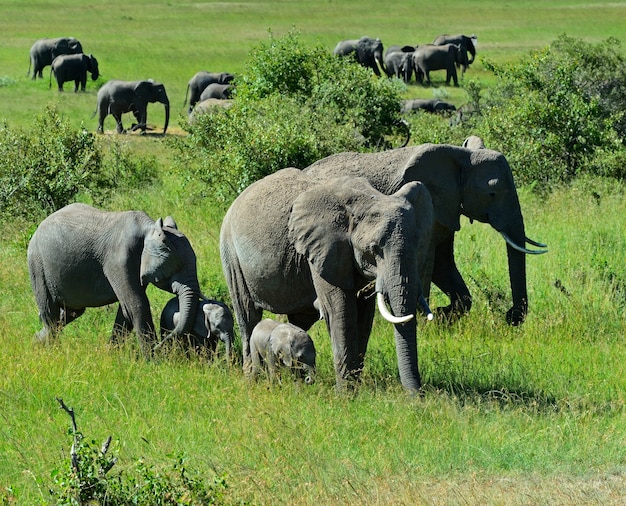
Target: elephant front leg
121	328
449	280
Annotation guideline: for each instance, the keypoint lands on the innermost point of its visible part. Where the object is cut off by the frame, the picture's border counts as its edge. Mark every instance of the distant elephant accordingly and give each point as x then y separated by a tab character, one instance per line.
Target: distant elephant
366	50
469	43
44	51
428	105
218	91
118	97
431	57
208	106
476	183
74	67
200	81
399	62
82	257
214	322
288	240
276	344
473	142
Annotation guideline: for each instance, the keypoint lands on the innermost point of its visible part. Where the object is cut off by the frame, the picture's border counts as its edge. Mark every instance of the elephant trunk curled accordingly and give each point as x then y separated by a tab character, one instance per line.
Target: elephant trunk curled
188	295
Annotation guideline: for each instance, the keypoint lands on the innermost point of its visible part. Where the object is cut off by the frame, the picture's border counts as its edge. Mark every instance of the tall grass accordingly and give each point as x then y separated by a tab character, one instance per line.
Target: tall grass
528	415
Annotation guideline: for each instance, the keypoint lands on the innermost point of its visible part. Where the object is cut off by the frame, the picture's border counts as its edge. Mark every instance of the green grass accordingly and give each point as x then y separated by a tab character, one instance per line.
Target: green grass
529	415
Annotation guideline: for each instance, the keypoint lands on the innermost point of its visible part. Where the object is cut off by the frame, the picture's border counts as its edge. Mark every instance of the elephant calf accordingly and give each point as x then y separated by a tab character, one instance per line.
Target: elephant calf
74	67
213	323
278	344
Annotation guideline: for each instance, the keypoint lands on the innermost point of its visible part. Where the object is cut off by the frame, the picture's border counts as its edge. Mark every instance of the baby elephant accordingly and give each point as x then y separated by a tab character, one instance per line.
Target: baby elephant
213	323
282	344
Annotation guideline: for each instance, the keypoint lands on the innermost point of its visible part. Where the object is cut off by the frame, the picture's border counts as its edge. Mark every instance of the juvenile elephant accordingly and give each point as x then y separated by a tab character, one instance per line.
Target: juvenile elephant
200	81
469	43
428	105
366	50
74	67
118	97
477	183
213	323
336	241
399	62
447	57
278	344
82	257
218	91
44	51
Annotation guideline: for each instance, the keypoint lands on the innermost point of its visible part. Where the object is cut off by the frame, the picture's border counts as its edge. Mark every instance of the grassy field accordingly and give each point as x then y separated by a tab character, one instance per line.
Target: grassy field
529	415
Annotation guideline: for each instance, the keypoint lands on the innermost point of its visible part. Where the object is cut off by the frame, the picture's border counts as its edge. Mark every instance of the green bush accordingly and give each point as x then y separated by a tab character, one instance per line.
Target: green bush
559	112
294	104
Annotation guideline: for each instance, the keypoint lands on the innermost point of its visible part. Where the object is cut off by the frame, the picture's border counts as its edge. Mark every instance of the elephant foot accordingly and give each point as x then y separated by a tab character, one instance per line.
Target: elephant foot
515	316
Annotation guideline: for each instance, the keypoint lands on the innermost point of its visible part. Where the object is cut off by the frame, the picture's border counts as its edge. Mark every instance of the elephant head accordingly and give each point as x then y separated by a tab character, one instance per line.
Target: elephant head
152	92
351	235
293	348
169	262
92	66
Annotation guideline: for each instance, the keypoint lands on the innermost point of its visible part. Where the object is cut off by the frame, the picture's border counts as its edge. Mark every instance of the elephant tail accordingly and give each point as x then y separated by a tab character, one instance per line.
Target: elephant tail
186	94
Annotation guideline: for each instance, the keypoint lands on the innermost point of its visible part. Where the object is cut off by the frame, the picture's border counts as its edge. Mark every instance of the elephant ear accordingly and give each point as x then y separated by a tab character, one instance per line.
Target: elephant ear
318	228
169	223
280	345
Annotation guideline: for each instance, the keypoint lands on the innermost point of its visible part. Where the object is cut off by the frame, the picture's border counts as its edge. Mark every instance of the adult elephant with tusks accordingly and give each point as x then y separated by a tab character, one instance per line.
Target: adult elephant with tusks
119	97
44	51
477	183
336	241
83	257
74	67
468	43
366	51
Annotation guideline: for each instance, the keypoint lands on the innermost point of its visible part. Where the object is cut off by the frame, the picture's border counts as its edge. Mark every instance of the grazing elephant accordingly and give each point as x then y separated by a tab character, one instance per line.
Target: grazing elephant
218	91
83	257
399	62
214	322
367	51
200	81
475	182
118	97
430	105
278	344
469	43
74	67
336	241
44	51
430	57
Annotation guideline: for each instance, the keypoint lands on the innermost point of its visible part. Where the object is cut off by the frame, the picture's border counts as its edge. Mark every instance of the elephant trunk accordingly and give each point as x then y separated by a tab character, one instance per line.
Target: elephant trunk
188	295
167	116
309	372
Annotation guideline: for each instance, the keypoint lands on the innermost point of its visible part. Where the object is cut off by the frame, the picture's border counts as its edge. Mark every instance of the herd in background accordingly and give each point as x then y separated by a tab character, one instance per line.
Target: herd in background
69	63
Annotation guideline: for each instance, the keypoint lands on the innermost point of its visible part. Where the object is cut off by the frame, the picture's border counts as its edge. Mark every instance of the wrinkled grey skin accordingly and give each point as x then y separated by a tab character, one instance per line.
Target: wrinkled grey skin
277	345
213	323
366	50
44	51
327	241
477	183
119	97
218	91
428	105
82	257
469	43
447	57
200	81
399	62
74	67
208	106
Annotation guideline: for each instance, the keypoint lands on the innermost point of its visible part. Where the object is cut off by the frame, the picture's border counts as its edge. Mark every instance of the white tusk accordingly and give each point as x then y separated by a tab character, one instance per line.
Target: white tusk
425	309
519	248
535	243
387	315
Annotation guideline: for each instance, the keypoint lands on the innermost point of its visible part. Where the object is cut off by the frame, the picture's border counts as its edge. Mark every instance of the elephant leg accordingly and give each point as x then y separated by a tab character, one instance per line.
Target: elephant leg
449	280
122	326
366	306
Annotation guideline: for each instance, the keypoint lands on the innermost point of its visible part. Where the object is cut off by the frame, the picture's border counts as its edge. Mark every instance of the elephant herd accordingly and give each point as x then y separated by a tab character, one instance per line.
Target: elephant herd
447	52
332	242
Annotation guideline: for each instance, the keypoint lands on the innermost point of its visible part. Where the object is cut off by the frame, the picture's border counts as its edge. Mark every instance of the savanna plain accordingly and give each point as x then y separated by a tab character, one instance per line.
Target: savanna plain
534	414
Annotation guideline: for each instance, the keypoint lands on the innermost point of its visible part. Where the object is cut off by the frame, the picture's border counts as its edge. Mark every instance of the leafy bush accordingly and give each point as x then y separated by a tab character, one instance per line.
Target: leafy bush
559	112
293	105
46	168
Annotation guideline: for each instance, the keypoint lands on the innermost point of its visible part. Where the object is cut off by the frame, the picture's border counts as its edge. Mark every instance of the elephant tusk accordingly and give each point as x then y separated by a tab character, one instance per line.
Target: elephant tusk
387	314
535	243
519	248
425	309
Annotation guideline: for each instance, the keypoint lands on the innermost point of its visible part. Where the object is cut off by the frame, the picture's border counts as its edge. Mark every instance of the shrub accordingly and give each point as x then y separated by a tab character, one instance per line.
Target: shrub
294	105
559	112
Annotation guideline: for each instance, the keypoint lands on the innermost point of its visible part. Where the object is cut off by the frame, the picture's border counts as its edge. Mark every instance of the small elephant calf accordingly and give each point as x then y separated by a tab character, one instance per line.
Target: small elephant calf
213	323
278	344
